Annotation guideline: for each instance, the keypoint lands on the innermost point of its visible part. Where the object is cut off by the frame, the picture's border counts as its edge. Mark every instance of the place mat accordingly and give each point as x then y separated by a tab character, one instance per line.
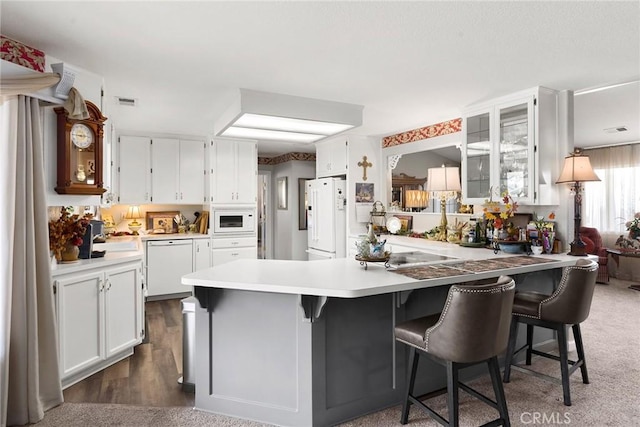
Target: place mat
435	271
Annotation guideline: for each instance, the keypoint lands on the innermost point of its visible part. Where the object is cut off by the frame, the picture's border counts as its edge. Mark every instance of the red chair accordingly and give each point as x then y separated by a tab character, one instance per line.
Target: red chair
591	237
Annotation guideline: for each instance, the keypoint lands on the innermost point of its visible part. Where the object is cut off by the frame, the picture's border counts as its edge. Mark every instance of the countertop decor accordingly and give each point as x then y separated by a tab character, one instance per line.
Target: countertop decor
67	230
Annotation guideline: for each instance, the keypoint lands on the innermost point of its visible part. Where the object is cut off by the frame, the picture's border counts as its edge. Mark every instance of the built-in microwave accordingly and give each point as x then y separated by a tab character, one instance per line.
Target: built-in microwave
234	221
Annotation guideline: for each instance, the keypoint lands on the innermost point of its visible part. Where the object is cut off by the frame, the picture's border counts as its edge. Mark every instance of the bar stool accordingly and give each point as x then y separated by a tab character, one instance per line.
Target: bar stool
569	304
473	328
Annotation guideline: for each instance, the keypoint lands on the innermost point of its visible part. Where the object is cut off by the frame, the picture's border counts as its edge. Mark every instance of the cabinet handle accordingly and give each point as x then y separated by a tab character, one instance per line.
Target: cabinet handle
235	254
101	285
146	196
181	197
176	195
108	284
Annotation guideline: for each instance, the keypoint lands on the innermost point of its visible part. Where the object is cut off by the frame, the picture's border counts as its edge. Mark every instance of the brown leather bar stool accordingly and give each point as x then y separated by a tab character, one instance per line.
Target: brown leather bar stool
473	328
569	304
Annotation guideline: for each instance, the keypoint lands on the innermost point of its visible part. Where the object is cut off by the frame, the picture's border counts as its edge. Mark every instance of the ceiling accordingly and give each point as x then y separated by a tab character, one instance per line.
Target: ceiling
410	64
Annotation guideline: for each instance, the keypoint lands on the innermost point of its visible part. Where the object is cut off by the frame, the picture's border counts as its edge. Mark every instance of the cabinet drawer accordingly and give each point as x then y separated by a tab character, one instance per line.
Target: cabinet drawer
239	242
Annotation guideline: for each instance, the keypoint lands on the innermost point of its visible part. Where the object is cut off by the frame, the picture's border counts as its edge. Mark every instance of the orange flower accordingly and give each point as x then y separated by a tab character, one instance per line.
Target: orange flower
68	229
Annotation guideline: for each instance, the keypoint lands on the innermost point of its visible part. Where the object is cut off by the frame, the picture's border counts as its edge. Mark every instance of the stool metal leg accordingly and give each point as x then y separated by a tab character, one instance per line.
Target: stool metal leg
529	343
452	393
511	347
564	364
413	367
580	349
494	371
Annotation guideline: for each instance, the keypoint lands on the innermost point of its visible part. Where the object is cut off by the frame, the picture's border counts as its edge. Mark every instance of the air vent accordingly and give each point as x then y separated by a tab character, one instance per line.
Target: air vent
616	129
129	102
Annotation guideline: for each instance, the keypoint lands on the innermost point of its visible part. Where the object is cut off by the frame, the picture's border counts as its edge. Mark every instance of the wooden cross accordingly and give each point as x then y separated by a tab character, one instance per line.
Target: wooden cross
364	164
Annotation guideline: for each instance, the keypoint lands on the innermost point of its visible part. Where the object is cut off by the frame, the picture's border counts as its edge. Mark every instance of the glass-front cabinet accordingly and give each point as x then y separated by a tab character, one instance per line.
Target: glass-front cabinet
501	148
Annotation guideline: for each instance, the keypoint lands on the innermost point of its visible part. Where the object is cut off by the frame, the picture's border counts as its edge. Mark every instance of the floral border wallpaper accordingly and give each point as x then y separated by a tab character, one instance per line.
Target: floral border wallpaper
305	157
431	131
18	53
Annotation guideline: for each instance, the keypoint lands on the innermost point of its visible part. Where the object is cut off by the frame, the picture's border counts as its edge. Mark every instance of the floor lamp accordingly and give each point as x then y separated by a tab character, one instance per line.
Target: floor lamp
443	182
576	170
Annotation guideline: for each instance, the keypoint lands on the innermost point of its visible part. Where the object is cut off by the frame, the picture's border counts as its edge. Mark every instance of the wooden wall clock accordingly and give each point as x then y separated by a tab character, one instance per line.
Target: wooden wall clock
80	152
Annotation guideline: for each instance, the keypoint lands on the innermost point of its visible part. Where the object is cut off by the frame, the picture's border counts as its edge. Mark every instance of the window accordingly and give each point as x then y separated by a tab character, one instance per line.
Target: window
609	203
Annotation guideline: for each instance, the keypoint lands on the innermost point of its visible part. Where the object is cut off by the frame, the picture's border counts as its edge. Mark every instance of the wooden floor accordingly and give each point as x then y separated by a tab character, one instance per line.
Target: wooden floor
150	376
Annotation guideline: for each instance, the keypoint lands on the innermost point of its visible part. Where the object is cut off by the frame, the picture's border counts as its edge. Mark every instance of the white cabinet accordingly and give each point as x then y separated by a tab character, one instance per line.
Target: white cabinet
100	318
332	157
134	178
510	146
201	254
161	170
234	168
231	249
167	262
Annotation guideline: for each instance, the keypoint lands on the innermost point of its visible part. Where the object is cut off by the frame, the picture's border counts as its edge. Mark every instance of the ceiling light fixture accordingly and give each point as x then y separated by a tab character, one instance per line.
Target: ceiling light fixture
276	117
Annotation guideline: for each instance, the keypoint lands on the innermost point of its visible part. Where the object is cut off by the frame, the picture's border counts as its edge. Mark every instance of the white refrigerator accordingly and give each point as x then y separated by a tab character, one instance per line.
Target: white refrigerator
326	218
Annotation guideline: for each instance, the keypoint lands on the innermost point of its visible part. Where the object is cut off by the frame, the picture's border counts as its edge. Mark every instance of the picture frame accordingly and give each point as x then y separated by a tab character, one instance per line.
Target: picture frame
365	192
282	189
406	222
162	220
303	203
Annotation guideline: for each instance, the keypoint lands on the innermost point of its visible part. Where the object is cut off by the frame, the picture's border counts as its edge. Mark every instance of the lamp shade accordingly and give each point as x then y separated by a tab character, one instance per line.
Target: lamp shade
416	199
443	179
133	213
577	168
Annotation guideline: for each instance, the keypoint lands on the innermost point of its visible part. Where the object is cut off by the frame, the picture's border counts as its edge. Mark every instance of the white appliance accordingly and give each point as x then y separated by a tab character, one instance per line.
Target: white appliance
167	262
326	218
228	222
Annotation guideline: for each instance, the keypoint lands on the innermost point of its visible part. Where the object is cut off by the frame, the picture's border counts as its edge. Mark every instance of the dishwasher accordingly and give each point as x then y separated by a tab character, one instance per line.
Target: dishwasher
167	262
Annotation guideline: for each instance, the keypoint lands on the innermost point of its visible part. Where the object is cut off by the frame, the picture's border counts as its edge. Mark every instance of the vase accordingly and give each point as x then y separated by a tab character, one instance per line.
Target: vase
70	253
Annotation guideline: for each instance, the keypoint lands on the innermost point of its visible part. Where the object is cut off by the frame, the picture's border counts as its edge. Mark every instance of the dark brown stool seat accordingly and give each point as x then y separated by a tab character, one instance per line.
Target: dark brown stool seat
568	305
473	328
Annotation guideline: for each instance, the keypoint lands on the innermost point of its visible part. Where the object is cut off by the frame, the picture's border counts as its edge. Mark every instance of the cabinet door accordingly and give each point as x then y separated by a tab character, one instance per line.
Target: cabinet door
80	321
201	254
192	172
220	256
515	147
164	170
123	294
167	262
246	175
223	187
134	153
477	157
339	162
323	160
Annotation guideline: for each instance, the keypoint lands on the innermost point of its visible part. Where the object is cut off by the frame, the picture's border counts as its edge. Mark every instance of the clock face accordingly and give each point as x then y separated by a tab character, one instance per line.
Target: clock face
81	135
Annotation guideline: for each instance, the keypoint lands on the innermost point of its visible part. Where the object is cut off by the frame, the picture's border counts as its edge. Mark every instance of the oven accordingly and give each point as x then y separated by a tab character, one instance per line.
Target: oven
234	222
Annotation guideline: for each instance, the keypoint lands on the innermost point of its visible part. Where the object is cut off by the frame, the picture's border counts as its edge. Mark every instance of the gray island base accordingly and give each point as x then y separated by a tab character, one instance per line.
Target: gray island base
310	343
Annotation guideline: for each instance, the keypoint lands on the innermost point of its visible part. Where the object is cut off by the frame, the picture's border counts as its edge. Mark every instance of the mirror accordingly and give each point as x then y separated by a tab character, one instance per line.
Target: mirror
409	177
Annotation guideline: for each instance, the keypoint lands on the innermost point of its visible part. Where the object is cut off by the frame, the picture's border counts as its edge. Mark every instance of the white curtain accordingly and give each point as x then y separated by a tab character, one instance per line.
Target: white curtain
609	203
29	374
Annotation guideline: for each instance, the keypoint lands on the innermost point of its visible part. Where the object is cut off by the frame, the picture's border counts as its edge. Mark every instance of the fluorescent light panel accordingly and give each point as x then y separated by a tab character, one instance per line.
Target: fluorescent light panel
260	121
267	134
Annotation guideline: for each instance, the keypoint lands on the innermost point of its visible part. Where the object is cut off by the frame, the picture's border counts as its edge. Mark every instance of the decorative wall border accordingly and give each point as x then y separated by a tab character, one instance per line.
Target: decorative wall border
21	54
305	157
431	131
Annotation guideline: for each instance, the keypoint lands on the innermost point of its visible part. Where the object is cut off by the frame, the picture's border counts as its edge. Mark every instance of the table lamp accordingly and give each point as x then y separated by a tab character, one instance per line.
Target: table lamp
443	182
134	213
576	170
416	199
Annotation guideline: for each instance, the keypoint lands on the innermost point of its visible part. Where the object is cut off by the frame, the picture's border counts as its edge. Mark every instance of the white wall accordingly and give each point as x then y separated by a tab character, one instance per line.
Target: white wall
360	146
289	241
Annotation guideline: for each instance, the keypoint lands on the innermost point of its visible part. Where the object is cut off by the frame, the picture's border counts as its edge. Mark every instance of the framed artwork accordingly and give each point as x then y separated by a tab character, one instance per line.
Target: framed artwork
282	189
406	222
162	221
302	203
364	192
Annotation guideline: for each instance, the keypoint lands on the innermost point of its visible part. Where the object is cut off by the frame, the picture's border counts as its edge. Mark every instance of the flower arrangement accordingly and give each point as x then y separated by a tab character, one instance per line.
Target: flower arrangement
68	229
493	211
541	224
633	226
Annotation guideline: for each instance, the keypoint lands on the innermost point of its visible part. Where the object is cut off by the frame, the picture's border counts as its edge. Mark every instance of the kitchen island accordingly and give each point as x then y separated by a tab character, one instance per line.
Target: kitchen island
305	343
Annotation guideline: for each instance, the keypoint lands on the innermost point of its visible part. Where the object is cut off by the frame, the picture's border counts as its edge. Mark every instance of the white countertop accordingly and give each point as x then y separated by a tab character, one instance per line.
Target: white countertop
118	250
173	236
345	277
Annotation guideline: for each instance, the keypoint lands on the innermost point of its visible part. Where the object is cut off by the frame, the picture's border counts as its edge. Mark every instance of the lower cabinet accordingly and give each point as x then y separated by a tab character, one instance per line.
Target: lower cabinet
230	249
100	318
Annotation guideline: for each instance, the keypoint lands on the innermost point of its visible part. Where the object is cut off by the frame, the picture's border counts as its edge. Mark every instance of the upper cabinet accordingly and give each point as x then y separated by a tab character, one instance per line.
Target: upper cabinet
161	170
332	157
234	169
510	145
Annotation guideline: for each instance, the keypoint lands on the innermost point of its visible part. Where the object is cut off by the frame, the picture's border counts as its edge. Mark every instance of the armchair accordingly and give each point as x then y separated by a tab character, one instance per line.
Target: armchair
593	241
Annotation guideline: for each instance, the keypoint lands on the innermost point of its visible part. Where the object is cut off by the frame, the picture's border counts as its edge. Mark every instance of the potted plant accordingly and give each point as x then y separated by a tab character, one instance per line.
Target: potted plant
65	234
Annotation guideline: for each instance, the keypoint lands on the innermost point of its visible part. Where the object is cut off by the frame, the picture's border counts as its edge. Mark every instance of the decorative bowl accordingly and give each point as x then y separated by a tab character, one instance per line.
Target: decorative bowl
511	248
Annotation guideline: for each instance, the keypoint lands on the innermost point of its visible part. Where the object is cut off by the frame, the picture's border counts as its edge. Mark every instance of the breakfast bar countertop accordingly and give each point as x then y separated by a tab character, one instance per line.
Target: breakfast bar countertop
346	278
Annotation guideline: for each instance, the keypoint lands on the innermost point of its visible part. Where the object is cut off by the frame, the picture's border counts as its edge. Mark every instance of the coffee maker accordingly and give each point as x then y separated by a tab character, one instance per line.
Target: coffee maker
94	229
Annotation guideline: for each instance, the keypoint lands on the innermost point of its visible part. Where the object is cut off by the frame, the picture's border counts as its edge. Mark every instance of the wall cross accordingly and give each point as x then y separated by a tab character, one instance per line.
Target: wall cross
364	165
